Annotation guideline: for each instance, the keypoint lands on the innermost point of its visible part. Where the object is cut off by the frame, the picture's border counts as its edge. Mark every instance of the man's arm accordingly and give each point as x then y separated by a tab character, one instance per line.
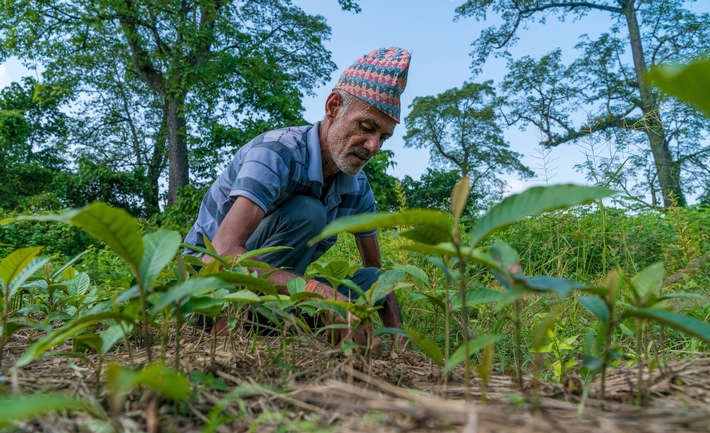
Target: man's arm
369	248
231	238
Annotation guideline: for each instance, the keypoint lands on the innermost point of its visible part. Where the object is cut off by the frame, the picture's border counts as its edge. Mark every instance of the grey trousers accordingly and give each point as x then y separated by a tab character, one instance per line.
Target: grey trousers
293	224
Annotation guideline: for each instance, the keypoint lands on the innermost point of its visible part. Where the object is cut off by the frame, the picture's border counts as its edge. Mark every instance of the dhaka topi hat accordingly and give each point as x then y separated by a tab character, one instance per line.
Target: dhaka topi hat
378	78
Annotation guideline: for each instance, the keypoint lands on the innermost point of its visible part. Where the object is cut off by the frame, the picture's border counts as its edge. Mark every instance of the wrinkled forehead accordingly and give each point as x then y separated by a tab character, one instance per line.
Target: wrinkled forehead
364	111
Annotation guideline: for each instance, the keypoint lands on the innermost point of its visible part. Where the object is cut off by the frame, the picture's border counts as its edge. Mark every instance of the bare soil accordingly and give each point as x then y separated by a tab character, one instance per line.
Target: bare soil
311	386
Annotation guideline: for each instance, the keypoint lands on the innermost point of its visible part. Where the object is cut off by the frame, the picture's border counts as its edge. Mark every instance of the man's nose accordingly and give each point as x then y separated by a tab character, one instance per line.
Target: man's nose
372	145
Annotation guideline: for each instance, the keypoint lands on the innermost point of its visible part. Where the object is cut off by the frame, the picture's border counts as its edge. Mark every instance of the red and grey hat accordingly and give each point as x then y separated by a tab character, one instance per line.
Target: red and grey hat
378	78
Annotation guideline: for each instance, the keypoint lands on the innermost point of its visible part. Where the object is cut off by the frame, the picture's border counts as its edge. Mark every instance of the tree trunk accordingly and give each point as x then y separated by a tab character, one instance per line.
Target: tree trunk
178	168
668	170
151	198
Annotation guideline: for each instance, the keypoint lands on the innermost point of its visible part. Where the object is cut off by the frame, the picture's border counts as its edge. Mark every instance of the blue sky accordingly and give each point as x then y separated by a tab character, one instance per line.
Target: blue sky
440	50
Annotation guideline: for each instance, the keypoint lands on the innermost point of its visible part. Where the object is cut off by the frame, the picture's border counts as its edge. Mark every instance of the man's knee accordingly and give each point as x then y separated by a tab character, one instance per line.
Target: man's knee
305	212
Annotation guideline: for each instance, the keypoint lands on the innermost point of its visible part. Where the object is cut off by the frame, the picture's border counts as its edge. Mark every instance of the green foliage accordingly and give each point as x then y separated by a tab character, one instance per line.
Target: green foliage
24	407
387	190
461	130
154	84
687	82
181	214
433	190
534	201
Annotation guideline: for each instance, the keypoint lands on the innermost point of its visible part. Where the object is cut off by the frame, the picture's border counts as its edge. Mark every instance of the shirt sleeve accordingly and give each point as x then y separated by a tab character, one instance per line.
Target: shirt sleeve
265	174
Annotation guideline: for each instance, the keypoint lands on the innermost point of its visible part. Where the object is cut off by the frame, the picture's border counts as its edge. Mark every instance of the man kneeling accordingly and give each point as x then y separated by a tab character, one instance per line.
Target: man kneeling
284	186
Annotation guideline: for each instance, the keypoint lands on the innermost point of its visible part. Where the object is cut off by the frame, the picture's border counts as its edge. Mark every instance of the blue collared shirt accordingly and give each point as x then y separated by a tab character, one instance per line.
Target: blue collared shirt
274	167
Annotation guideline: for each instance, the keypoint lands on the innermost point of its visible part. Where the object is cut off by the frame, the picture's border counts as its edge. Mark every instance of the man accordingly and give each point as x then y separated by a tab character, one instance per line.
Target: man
284	186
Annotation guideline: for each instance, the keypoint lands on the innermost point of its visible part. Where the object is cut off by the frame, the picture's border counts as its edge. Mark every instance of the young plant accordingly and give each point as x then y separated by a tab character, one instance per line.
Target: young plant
433	234
146	255
643	302
15	269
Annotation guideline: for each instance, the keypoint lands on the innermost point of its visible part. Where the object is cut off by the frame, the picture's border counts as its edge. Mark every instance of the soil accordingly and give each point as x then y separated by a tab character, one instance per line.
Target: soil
311	386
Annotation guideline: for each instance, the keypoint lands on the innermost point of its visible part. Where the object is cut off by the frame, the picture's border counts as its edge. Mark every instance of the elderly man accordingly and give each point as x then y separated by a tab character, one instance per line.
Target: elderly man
284	186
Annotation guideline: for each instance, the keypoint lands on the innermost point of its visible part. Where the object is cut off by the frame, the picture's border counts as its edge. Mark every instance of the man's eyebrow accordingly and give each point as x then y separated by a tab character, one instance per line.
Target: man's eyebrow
377	125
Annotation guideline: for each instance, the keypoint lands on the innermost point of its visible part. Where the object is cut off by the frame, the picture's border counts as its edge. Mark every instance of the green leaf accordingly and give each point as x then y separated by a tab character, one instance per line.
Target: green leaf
14	324
543	283
427	234
246	296
115	227
686	324
92	340
416	272
475	297
435	300
369	221
473	346
360	311
25	407
427	346
647	283
165	381
687	82
296	285
249	281
67	265
14	263
112	334
181	292
335	269
387	282
160	248
534	201
697	296
596	306
543	328
60	335
19	279
300	296
79	284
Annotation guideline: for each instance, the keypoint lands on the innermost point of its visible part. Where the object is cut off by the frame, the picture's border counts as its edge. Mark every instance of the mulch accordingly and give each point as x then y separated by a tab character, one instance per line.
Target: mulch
307	385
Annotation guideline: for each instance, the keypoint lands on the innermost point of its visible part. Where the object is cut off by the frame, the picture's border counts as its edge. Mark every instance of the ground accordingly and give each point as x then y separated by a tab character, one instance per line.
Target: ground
262	385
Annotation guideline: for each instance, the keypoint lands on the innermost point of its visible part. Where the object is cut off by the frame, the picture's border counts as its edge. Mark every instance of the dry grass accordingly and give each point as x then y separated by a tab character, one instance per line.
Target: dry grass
312	387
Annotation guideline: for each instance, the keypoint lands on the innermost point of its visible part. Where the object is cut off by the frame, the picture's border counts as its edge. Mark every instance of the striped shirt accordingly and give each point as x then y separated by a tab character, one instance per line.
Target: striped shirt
274	167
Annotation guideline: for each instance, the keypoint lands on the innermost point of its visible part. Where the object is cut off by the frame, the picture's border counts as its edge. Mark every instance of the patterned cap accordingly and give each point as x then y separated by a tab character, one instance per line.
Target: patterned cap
378	78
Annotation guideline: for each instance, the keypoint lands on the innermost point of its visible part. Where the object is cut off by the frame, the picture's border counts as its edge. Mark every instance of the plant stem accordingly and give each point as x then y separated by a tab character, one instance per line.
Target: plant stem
639	359
518	350
463	285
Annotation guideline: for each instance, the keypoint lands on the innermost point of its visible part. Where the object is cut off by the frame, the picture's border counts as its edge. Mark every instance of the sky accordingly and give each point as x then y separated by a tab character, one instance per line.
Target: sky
440	50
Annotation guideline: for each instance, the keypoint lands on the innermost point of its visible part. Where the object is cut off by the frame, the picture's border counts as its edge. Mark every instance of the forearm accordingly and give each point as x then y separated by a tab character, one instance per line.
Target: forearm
390	313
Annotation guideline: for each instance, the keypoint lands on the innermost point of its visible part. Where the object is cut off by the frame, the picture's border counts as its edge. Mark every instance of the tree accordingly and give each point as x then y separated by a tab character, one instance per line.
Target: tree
33	134
387	190
460	129
432	190
212	67
613	85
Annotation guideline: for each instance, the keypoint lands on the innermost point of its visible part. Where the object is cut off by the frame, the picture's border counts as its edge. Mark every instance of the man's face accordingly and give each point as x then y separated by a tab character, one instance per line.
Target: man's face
356	135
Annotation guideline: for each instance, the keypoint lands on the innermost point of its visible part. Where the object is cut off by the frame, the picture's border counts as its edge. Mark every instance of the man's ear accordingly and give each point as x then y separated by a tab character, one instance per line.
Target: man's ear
332	105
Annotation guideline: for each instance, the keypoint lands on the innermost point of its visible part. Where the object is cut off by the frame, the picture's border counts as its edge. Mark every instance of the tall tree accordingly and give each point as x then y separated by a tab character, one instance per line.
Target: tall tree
460	128
33	133
216	65
433	190
616	88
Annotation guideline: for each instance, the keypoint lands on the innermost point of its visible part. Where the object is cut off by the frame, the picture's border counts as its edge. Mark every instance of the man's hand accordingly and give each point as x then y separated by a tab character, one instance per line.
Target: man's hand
350	328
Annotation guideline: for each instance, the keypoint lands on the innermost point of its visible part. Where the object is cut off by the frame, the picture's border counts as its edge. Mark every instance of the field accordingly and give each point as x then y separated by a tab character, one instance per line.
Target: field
591	319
